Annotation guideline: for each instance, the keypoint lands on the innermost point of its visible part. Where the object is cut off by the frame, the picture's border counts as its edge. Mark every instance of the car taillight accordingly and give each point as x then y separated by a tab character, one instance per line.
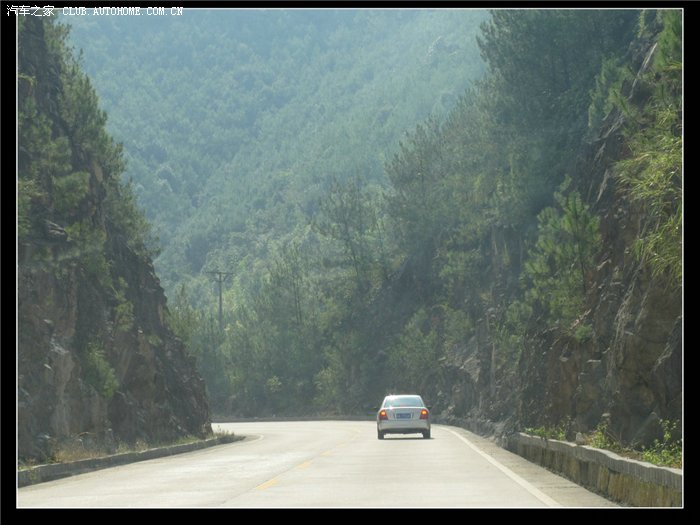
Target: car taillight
424	414
382	415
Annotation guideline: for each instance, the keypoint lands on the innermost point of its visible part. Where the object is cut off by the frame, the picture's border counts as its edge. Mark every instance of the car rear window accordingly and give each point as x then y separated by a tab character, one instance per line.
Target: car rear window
403	401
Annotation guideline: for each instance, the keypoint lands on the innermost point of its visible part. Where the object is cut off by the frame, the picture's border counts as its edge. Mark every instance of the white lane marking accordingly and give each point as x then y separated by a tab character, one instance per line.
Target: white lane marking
512	475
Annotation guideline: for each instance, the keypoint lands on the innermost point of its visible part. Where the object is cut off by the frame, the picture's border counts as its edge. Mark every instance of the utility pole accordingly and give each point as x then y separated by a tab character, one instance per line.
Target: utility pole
220	276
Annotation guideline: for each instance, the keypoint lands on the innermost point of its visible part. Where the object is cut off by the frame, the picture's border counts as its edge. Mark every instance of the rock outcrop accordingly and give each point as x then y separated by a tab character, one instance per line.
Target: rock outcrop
97	365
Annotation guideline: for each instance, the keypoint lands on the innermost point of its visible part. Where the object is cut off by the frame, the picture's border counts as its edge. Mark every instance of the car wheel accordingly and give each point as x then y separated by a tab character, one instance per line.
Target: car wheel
380	434
426	434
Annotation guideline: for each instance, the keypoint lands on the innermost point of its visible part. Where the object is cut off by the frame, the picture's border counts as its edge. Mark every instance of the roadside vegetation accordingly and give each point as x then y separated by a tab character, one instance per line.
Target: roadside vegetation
664	452
83	447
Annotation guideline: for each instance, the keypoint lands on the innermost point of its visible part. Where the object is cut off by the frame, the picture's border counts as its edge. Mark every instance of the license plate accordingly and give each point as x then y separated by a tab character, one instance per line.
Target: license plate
403	416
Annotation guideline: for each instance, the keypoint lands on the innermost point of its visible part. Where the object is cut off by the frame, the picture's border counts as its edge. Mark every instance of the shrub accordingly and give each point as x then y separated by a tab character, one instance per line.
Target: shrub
98	372
668	451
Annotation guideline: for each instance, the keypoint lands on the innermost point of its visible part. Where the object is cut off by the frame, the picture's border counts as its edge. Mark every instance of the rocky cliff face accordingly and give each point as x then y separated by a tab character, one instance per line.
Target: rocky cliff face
628	375
96	362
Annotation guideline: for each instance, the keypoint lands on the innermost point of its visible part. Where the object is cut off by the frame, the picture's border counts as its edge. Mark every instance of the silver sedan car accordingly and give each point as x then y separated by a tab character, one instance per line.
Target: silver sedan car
403	414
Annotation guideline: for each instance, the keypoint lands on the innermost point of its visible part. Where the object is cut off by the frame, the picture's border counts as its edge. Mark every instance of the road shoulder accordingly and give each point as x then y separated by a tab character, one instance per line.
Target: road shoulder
564	492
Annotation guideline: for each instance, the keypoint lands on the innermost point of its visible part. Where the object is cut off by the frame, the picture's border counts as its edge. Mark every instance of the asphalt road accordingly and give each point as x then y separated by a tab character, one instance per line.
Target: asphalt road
338	464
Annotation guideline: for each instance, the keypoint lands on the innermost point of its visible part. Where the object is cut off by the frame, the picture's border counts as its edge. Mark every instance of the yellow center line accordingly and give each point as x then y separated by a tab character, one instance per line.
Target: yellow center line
267	484
304	465
274	481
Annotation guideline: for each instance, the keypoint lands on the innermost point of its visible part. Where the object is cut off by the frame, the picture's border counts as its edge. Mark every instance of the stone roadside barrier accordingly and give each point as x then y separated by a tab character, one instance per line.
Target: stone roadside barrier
52	471
631	482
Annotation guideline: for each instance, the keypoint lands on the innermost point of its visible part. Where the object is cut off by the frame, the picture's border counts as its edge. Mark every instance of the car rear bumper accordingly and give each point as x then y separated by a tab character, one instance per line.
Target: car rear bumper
403	427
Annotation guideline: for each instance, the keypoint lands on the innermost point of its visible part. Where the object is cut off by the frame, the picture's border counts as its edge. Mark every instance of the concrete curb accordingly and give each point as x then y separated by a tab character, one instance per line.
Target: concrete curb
620	479
42	473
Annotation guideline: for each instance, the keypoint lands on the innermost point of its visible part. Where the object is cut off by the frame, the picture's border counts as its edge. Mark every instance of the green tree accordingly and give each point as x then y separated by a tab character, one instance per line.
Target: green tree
349	215
558	265
199	331
542	66
414	357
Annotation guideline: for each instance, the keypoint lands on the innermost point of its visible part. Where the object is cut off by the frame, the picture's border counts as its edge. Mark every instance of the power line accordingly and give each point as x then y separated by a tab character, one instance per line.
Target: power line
220	276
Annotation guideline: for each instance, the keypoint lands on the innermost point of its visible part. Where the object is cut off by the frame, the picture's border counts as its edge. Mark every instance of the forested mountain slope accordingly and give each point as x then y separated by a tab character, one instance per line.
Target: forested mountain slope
97	366
234	120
